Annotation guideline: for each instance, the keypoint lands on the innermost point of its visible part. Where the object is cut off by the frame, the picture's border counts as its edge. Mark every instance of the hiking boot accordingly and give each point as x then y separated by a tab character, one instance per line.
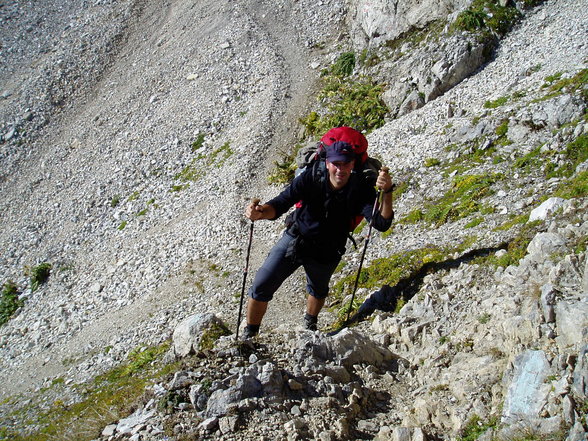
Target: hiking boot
310	322
250	332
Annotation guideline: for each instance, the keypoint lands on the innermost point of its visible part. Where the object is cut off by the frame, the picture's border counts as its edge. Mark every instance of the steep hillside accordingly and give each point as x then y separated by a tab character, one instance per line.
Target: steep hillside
135	132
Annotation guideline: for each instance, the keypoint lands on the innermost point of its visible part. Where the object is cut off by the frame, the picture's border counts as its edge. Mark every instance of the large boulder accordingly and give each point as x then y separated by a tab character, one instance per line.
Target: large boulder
374	22
188	334
572	324
527	392
545	244
547	209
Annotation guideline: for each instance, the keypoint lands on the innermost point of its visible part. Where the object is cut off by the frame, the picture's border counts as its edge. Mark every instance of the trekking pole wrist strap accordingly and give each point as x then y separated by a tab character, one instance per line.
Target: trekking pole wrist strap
390	190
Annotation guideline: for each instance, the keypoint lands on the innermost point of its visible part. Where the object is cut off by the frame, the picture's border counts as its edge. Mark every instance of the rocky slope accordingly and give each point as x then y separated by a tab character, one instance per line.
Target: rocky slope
106	108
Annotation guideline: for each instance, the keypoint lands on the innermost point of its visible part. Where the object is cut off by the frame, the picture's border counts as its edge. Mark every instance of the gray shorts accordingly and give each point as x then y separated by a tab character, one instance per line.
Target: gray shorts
278	266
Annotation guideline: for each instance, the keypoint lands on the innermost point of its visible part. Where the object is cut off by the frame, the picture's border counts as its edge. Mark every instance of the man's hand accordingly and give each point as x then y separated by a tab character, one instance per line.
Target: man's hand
254	211
384	181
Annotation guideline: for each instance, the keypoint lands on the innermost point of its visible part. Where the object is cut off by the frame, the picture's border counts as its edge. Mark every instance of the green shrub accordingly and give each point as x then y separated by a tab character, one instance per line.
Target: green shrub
199	142
344	65
432	162
471	21
39	275
487	16
357	104
9	302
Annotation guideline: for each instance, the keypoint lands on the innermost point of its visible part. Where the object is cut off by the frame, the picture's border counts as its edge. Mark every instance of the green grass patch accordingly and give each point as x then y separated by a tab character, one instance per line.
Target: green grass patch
556	85
200	165
199	142
284	169
211	335
501	131
474	222
475	428
475	155
575	187
413	217
496	103
134	196
108	398
115	201
344	65
520	219
502	128
368	58
417	36
531	161
389	270
400	189
575	153
9	301
461	200
516	249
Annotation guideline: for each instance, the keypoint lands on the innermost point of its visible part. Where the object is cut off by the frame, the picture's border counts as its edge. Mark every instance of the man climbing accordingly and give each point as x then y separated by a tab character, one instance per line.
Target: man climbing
332	193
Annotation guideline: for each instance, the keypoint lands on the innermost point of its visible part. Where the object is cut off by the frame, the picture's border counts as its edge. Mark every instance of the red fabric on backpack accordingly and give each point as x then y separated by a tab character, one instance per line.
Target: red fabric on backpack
350	136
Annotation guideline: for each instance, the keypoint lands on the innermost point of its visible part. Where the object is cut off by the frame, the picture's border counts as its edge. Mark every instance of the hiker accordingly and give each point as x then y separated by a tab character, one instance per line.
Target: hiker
317	236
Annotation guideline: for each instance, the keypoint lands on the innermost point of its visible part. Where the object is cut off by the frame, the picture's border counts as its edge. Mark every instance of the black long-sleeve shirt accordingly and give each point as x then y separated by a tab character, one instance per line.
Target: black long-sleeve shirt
326	215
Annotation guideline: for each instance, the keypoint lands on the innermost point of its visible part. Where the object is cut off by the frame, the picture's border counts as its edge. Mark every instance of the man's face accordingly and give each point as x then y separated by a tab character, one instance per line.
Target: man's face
339	173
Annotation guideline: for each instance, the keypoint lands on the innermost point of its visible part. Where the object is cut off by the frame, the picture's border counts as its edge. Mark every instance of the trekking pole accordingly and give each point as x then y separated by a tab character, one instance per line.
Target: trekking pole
367	241
245	271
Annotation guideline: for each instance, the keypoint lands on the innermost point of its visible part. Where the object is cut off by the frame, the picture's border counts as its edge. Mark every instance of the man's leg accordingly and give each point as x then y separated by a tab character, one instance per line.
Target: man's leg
314	305
318	276
276	268
255	311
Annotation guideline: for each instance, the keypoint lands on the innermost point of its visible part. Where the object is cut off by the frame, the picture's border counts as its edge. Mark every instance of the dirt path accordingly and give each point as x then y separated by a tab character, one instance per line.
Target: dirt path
155	55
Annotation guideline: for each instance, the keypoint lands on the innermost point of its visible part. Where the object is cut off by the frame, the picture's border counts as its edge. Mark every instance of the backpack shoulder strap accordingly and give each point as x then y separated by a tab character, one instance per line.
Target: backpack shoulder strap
319	172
